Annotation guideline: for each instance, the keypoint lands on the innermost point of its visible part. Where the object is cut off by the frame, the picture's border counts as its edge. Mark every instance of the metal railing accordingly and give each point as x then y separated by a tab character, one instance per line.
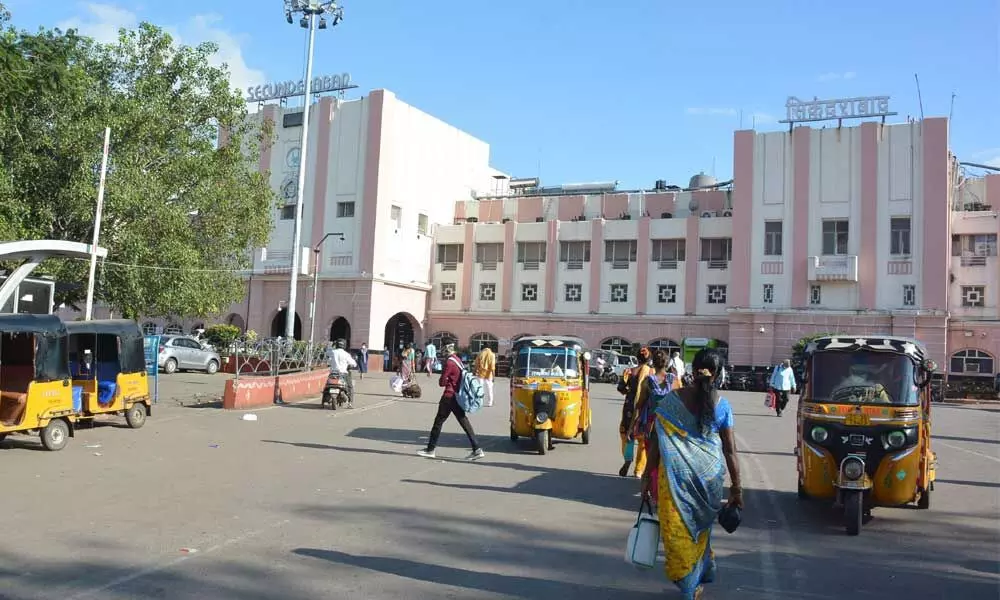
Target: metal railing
973	261
620	263
276	356
667	264
449	266
574	264
488	265
530	265
718	263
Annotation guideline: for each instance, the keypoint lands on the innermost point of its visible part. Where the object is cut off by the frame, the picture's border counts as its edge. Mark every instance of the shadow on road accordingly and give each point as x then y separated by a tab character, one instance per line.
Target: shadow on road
964	439
986	484
494	583
417	438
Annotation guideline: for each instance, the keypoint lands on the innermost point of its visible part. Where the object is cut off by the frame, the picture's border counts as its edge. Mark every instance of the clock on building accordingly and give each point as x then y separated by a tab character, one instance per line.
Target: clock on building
290	189
293	157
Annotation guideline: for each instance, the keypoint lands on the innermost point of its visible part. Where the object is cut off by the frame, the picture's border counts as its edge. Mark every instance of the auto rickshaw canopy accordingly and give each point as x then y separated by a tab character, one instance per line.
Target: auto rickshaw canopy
130	352
876	343
554	341
49	353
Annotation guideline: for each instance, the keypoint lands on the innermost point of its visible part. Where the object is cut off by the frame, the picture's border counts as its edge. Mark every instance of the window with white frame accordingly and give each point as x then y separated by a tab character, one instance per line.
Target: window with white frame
815	295
489	256
972	362
531	255
717	252
973	296
909	295
899	236
442	338
449	256
396	215
619	292
423	224
617	344
529	292
448	291
345	210
974	250
620	253
668	253
574	254
480	341
666	293
717	294
773	234
768	295
574	292
487	292
835	237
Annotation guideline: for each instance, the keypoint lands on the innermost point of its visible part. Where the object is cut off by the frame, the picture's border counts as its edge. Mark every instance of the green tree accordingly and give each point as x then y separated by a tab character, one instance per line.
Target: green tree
181	212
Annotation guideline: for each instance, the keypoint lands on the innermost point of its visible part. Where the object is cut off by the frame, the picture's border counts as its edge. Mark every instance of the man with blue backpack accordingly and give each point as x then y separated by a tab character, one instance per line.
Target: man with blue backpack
463	395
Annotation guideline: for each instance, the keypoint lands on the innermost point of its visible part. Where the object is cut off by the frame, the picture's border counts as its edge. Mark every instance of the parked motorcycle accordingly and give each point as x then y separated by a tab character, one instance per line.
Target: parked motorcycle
336	392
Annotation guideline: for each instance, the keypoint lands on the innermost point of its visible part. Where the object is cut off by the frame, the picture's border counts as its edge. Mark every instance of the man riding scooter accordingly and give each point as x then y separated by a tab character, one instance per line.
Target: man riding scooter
342	362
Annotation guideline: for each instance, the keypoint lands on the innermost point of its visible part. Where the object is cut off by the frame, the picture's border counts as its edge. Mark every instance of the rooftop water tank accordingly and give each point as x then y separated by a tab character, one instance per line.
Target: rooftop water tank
701	180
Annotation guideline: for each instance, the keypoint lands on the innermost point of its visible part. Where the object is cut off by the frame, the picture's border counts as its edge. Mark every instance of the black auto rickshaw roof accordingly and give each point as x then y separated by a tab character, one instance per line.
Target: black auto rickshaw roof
554	341
872	343
36	324
119	327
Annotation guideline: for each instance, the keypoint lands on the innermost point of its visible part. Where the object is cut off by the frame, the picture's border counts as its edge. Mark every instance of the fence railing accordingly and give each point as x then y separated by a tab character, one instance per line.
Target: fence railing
273	357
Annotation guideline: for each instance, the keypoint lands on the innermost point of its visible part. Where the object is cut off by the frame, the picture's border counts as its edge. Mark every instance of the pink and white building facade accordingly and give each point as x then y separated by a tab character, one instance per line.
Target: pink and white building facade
855	230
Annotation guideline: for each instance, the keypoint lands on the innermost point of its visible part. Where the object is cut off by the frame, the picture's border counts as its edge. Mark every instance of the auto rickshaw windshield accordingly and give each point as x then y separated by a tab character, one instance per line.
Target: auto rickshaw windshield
546	362
863	378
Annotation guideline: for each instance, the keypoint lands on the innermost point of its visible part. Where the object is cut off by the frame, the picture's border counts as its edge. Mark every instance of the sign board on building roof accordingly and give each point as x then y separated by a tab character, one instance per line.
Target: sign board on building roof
803	111
288	89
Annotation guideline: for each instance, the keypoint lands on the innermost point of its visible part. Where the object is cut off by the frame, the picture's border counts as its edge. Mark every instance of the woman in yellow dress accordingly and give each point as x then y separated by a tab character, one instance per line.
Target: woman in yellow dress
694	441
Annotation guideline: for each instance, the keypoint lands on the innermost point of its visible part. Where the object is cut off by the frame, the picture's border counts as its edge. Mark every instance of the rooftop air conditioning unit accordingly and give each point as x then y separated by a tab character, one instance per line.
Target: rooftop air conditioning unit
707	214
666	215
727	213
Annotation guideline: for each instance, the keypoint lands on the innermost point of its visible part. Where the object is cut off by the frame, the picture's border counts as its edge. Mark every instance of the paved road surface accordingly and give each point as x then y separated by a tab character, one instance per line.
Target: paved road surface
307	504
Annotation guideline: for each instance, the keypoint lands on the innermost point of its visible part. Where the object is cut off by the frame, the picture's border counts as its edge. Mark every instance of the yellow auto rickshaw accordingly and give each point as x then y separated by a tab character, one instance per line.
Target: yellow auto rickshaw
549	390
35	390
864	426
108	362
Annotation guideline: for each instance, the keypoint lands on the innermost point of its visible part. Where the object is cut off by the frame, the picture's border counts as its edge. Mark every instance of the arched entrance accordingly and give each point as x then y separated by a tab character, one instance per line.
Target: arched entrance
236	321
278	325
341	329
400	329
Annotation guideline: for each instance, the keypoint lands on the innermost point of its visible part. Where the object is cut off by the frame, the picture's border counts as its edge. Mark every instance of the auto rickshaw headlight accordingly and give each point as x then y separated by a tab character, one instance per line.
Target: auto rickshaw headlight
819	434
895	439
542	417
853	469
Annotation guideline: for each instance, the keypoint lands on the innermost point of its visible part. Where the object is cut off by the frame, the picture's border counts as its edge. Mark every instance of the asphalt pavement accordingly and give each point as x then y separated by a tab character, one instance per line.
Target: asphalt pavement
308	503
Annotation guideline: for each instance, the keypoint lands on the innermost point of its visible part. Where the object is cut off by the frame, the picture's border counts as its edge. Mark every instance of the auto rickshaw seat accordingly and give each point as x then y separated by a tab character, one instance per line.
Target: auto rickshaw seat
106	392
14	382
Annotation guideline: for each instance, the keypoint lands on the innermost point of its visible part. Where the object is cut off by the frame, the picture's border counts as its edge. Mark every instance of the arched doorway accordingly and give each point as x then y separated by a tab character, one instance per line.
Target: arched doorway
483	340
617	344
236	321
278	325
400	329
341	329
666	344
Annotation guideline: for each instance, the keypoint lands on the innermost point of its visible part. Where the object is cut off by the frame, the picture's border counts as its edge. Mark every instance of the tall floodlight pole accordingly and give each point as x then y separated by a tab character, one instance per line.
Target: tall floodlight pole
97	226
312	12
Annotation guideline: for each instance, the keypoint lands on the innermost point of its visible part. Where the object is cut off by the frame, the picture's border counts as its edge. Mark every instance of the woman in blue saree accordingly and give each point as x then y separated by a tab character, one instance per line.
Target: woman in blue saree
694	442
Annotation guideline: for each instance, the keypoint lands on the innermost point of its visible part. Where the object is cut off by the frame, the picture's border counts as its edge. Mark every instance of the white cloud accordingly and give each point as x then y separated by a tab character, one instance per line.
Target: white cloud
989	156
102	22
712	112
834	76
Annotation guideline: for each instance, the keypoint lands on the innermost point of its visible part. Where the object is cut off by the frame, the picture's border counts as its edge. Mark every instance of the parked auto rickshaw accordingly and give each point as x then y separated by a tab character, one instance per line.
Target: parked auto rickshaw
549	390
35	390
864	426
107	361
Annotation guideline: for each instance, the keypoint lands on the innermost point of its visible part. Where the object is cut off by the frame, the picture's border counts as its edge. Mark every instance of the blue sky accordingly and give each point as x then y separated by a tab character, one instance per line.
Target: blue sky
584	90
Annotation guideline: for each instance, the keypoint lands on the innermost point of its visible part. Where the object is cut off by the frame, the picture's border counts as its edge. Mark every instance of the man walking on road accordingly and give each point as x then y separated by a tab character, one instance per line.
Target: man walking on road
783	382
451	376
430	357
485	367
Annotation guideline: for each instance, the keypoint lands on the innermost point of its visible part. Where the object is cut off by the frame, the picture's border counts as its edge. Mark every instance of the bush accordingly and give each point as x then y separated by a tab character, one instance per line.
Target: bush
222	336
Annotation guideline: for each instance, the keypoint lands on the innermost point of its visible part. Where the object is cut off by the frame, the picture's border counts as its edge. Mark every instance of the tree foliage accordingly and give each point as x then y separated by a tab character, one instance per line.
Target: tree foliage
181	212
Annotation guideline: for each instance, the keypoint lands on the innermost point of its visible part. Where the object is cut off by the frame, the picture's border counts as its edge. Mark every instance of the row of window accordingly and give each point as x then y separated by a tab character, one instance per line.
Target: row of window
667	251
973	296
345	210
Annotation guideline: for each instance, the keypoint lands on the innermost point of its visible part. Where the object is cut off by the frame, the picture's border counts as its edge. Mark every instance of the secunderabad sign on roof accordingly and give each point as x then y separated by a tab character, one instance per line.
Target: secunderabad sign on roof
288	89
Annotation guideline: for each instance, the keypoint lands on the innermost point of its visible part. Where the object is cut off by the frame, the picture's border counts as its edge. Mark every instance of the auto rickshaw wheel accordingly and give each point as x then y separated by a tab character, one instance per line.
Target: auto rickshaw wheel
55	435
925	500
136	415
585	438
542	437
853	511
513	434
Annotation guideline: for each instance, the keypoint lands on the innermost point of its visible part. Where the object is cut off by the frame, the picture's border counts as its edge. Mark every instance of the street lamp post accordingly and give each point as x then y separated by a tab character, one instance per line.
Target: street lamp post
312	307
312	16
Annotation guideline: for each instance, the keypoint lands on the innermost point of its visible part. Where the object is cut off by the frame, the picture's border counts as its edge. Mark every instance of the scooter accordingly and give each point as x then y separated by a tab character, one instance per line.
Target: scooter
336	392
